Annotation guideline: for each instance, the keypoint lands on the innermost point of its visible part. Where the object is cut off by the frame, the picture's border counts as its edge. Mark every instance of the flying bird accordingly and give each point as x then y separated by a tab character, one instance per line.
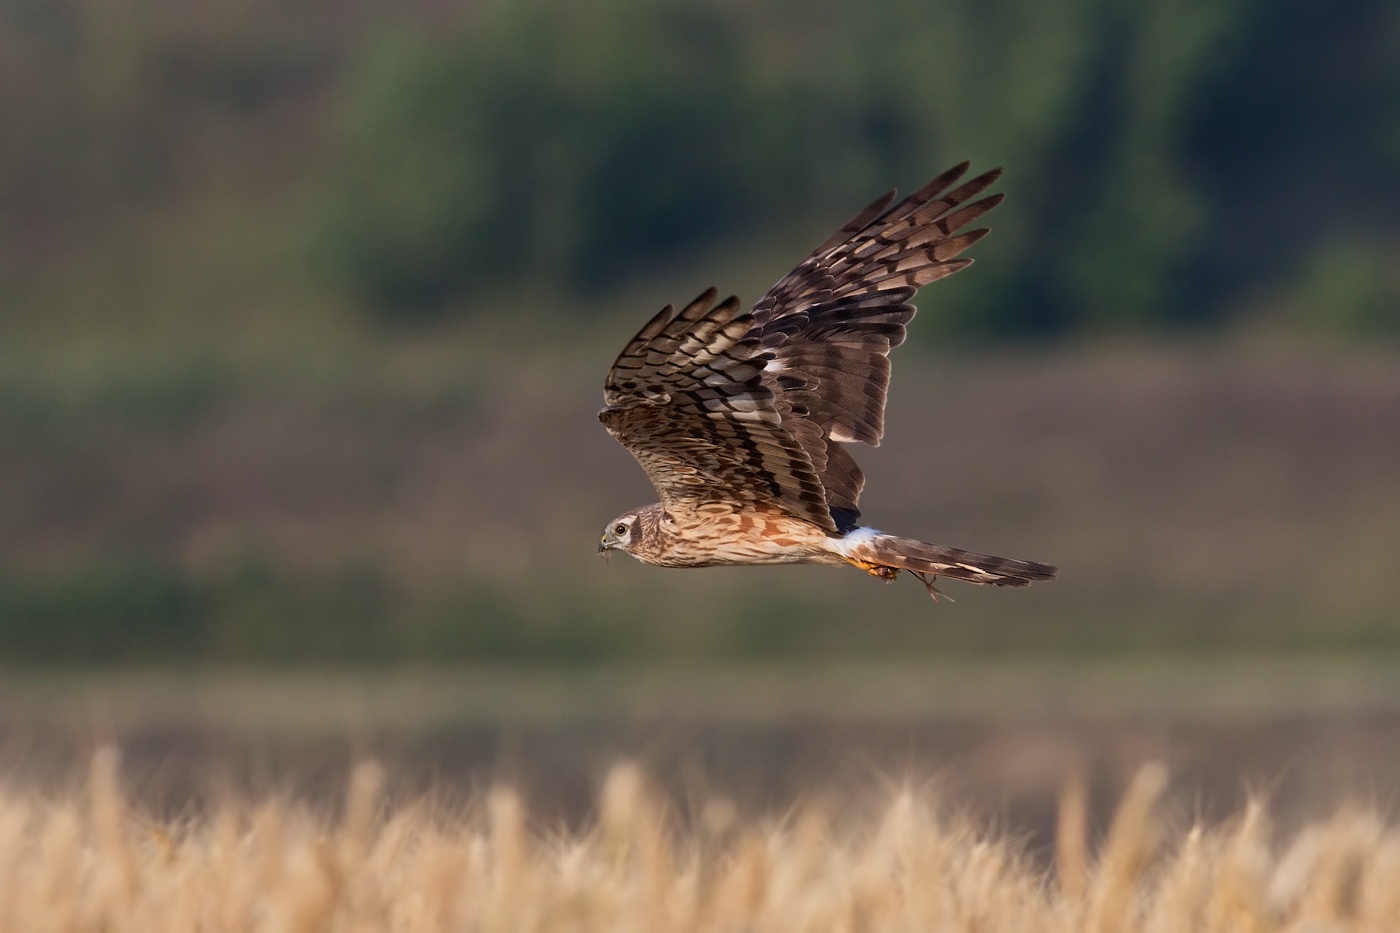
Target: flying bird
741	419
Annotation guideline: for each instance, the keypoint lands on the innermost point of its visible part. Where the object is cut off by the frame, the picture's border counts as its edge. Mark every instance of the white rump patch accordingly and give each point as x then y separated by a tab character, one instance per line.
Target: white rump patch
852	540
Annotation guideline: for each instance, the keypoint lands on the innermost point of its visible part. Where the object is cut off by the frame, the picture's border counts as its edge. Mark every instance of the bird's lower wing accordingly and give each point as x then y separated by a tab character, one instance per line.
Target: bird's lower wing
743	458
687	398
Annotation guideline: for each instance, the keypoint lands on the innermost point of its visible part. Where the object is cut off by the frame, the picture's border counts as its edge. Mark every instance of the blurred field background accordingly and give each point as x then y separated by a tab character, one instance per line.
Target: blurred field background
305	308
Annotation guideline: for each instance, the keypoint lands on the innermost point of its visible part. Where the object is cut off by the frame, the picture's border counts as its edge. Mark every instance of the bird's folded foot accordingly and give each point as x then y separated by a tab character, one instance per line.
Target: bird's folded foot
877	570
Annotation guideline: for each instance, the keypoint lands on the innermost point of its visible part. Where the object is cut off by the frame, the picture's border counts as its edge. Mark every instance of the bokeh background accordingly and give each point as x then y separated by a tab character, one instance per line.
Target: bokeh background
305	308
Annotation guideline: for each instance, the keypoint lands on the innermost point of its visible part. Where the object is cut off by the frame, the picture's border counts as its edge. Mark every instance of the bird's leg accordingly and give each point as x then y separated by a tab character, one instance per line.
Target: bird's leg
876	570
927	579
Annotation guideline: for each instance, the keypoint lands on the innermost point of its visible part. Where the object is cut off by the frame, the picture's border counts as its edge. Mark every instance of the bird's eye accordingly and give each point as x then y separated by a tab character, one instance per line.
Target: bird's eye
619	529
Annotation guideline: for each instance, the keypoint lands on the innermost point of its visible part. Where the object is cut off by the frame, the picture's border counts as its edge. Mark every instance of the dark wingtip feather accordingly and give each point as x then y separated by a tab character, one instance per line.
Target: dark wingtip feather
945	179
703	300
731	302
949	248
857	223
972	187
987	203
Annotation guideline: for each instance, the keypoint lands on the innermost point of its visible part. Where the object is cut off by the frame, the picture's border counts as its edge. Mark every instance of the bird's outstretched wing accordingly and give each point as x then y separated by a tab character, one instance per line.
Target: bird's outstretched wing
687	398
719	405
827	327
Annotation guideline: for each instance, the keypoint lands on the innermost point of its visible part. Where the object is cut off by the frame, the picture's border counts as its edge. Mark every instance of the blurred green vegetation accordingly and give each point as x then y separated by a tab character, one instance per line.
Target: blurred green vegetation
283	287
1171	164
194	513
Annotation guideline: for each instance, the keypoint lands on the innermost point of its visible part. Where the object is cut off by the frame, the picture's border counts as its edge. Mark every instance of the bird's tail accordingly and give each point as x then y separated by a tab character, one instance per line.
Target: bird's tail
884	555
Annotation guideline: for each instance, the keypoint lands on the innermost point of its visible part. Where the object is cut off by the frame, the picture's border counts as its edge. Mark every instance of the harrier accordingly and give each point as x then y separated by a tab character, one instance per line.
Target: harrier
741	418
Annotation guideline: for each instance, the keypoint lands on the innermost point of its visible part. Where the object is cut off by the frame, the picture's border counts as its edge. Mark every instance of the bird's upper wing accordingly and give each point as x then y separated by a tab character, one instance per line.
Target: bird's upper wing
687	397
827	327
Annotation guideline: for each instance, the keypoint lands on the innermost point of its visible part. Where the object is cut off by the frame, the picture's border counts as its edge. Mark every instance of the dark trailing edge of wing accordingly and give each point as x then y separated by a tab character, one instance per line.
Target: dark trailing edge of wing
827	327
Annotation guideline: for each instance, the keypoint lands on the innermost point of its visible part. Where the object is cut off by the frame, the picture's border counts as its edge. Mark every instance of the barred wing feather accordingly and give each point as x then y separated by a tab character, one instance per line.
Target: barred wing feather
827	327
686	397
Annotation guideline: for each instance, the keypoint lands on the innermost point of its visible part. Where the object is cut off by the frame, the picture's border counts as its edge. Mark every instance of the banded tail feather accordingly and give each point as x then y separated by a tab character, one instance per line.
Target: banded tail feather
874	550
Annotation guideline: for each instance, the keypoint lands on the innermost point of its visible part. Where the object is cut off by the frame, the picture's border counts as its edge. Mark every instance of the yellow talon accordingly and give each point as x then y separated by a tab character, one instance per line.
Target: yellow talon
876	570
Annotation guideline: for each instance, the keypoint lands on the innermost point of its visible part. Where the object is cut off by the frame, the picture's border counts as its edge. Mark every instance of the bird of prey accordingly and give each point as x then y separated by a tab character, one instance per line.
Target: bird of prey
741	418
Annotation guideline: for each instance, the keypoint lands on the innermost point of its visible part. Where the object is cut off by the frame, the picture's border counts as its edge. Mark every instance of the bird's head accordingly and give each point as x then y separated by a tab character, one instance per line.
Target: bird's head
622	533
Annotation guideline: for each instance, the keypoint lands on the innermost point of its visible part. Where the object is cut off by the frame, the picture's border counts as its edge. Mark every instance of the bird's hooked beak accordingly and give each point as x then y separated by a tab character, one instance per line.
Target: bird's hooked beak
603	550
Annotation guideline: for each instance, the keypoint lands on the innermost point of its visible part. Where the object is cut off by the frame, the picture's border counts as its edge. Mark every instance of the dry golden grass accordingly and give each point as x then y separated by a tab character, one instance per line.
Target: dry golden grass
91	862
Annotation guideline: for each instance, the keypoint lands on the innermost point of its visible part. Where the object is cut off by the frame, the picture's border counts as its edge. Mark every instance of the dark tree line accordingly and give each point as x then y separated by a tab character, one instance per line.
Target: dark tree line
1170	162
